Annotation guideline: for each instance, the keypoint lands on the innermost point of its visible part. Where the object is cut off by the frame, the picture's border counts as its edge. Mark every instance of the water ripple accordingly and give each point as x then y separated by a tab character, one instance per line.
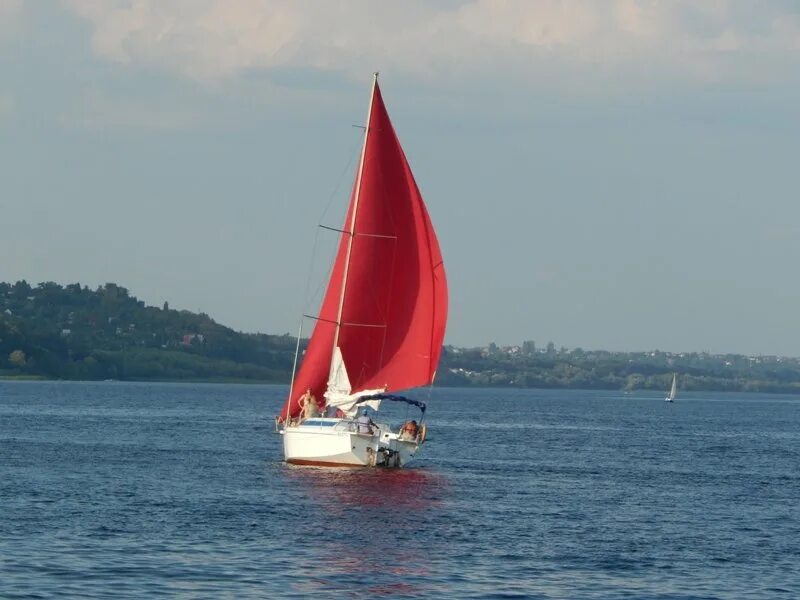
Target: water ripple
161	490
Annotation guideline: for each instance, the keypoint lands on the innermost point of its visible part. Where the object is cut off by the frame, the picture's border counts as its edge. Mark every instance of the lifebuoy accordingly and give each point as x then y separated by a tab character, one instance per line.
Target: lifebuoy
423	431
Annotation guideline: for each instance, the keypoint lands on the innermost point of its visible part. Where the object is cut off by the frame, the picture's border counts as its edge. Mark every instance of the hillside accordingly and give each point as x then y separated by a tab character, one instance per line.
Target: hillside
73	332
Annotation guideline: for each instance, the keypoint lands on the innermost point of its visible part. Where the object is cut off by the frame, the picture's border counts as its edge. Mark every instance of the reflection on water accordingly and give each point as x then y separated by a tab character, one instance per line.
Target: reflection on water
341	490
367	525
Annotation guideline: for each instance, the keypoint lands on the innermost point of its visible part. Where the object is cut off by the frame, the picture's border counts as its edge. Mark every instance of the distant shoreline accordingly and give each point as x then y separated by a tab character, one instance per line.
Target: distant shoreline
50	332
211	381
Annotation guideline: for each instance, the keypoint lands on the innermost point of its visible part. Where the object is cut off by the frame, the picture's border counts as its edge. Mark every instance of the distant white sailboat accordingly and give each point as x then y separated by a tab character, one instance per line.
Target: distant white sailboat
673	390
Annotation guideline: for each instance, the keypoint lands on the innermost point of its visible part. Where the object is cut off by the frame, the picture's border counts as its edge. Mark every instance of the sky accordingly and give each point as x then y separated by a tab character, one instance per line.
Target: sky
616	174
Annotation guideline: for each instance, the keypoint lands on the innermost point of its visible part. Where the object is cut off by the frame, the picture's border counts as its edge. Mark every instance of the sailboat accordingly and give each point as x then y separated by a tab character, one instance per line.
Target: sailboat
673	390
381	325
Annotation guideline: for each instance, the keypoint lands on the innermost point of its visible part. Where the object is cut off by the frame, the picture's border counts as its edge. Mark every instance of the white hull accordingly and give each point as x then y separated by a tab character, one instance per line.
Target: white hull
336	443
667	399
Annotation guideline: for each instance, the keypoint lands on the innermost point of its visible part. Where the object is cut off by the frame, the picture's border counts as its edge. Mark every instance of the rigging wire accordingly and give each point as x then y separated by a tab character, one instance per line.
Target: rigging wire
308	299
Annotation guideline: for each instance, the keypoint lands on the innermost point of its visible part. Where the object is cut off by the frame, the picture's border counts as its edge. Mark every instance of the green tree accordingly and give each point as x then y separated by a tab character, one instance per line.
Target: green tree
17	358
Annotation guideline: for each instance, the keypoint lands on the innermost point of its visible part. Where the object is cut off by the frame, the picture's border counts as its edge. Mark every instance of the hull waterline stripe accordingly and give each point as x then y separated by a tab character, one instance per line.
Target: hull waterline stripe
322	463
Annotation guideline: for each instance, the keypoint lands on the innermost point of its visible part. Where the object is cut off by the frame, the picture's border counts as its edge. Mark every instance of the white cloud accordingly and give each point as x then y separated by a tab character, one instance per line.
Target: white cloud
199	38
213	39
547	24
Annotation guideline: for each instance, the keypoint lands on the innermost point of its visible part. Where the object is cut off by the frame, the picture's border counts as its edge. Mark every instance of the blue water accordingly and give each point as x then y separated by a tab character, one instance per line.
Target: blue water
118	490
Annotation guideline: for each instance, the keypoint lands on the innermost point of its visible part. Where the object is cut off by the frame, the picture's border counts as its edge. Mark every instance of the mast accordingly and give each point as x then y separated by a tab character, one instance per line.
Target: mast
294	367
352	233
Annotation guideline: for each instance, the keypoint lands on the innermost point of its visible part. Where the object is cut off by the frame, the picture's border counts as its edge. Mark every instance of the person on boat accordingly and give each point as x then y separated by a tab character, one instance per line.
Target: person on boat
409	431
333	412
308	405
364	423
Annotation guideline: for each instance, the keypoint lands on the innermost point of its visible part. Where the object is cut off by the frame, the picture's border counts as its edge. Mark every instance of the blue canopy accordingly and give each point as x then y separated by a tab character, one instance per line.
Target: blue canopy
418	403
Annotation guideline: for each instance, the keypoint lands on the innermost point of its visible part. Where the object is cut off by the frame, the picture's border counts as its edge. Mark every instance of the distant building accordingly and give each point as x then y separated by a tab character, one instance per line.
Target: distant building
191	337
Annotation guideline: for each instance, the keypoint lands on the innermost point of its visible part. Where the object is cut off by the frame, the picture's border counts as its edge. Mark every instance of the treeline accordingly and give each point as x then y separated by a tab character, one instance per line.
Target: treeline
73	332
525	366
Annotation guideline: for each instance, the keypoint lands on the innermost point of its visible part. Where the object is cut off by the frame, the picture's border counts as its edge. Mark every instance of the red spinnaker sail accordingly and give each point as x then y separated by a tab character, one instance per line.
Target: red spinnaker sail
395	299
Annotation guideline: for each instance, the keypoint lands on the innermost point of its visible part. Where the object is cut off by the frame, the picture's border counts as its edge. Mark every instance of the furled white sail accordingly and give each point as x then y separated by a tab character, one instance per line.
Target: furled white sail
339	388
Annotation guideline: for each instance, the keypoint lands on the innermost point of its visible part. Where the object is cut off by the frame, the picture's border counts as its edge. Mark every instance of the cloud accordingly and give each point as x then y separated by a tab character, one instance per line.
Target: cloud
210	40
